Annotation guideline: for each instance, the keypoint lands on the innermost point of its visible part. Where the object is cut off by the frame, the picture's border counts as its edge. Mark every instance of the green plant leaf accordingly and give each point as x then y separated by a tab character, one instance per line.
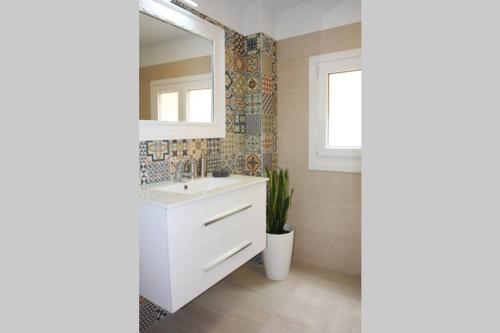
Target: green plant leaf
278	200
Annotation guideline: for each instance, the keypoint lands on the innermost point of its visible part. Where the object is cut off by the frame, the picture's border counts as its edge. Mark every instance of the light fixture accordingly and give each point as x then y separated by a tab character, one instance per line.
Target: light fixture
190	3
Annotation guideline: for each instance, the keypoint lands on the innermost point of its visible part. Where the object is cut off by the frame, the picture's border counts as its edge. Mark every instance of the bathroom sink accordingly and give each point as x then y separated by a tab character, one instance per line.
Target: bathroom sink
198	185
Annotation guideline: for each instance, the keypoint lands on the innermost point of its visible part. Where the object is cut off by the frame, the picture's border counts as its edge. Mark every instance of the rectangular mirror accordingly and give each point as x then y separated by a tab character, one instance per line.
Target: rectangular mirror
181	74
175	75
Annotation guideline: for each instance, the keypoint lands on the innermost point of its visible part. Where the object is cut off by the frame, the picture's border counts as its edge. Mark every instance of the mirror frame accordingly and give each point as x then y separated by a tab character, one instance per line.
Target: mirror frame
165	130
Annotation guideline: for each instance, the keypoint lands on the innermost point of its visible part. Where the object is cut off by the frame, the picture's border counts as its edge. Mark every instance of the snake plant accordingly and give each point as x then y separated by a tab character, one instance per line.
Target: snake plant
278	200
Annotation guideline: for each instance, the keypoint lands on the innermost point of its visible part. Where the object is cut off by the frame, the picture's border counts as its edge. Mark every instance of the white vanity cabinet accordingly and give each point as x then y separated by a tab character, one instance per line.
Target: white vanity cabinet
187	247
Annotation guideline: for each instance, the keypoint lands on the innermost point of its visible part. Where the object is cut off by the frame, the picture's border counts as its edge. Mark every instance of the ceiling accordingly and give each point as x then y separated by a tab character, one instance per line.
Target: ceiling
276	4
281	18
284	4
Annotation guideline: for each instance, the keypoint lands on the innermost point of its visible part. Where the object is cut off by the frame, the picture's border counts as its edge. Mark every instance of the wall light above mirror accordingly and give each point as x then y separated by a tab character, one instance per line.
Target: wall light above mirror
181	74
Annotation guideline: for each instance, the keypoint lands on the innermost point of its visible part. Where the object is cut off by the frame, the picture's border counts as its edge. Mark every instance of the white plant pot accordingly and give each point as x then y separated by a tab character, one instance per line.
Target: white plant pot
278	254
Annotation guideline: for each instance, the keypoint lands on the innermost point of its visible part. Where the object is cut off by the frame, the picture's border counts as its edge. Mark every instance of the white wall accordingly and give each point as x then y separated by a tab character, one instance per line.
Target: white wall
314	16
259	16
173	50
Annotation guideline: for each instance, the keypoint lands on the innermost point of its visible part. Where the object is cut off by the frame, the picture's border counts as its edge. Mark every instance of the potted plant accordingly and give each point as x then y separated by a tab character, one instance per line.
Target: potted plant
278	252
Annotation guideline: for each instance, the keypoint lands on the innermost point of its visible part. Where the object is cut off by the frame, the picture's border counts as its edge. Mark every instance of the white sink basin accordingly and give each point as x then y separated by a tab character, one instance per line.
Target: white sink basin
198	185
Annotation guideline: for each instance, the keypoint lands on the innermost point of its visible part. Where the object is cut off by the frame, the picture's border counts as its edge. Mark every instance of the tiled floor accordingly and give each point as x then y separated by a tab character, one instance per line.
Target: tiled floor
310	300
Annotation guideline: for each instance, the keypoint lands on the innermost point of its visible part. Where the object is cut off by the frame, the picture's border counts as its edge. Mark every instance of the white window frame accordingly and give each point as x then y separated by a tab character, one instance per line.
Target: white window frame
181	85
322	157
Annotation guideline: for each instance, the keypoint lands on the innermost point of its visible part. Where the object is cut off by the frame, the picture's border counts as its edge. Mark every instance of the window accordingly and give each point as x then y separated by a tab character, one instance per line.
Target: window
181	99
335	111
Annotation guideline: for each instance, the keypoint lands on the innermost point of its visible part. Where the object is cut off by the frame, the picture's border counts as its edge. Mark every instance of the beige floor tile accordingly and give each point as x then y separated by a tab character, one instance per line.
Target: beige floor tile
279	324
319	310
312	299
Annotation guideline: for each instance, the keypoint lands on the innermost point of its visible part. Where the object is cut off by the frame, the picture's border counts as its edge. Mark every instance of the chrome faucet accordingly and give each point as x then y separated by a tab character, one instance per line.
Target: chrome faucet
180	171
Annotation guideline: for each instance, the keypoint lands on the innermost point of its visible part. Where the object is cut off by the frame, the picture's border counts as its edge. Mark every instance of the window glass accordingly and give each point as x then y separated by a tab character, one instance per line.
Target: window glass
344	109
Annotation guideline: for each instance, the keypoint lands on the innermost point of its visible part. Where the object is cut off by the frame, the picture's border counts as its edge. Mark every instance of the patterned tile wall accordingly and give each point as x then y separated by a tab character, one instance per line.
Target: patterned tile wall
158	159
260	104
251	120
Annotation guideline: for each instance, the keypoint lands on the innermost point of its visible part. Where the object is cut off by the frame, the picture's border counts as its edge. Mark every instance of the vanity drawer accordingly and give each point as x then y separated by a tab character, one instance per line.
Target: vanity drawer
197	224
198	271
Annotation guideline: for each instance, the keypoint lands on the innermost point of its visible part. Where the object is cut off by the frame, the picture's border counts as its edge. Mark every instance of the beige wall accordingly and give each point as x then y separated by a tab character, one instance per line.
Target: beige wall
326	208
169	70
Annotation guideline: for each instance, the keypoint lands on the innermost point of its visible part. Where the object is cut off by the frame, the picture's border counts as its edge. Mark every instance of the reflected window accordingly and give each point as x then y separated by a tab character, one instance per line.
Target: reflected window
168	106
181	99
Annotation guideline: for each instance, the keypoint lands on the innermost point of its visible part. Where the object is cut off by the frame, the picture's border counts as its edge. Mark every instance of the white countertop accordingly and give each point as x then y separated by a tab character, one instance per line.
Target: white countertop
150	194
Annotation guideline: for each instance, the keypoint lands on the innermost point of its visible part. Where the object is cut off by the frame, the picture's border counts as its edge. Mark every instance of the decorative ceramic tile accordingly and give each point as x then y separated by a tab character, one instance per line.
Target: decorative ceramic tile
239	142
229	61
252	163
142	151
267	84
252	63
149	314
239	166
239	63
158	171
239	124
214	146
238	83
253	42
228	143
143	174
234	162
229	80
233	143
267	160
228	160
143	177
230	101
268	123
236	103
253	143
268	142
229	122
268	44
253	124
213	162
267	64
197	148
235	41
269	103
253	85
157	149
179	148
252	103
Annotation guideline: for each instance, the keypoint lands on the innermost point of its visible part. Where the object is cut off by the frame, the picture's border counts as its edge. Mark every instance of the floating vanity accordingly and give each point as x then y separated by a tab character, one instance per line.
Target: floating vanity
193	234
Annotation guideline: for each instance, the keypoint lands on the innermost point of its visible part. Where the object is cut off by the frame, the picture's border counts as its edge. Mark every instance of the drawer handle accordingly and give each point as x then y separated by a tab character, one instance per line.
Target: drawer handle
227	255
227	214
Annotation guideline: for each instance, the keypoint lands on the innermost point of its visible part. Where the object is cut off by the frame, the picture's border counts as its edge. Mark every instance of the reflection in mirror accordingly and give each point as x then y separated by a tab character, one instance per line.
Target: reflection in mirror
175	73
